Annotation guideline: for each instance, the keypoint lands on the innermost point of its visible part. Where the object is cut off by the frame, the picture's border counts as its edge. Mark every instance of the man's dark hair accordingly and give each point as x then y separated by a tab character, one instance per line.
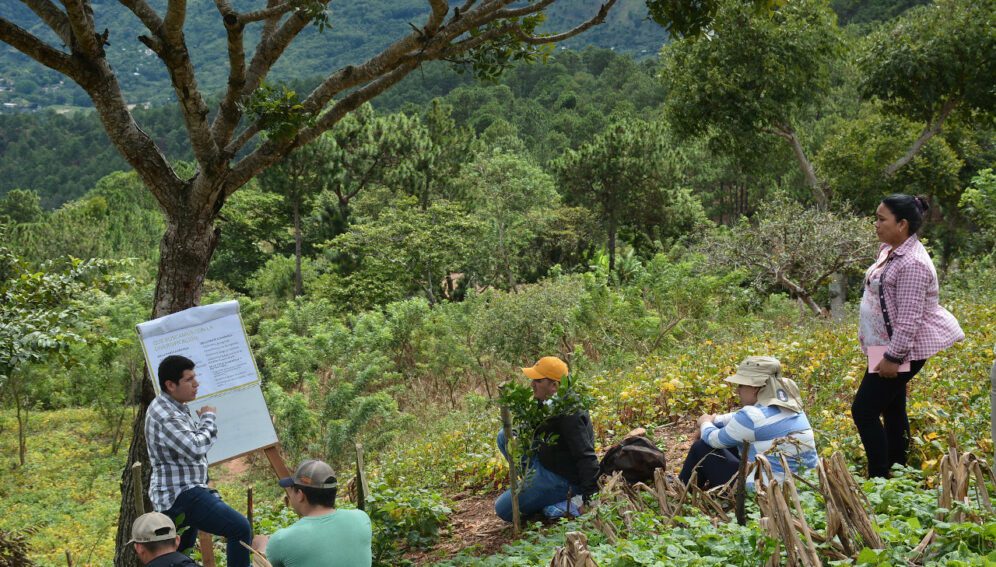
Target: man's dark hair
172	368
159	546
324	497
907	208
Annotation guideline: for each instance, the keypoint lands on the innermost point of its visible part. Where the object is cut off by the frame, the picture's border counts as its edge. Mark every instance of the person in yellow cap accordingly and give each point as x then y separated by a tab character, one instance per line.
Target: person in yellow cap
771	413
563	468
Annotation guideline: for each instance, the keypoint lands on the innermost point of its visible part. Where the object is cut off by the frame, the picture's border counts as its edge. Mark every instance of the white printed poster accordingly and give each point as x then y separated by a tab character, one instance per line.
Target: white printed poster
214	337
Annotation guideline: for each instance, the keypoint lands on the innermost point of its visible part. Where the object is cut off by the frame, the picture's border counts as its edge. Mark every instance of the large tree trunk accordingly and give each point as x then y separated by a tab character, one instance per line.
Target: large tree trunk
185	252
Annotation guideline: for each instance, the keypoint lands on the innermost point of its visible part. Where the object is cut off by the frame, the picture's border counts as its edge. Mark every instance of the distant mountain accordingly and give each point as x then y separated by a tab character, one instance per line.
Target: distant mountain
359	30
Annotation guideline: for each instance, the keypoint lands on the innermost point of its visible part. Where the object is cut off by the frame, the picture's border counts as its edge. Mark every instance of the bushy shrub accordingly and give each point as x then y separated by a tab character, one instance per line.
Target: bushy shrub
403	519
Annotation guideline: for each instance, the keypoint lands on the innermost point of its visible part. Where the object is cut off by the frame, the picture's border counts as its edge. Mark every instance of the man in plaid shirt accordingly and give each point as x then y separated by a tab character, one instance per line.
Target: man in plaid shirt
178	445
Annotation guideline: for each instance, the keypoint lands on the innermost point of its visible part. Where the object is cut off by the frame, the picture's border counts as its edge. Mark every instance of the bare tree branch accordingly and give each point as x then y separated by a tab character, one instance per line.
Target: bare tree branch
477	41
172	50
238	143
228	115
54	18
931	130
351	76
439	10
138	149
273	11
543	39
146	14
269	23
816	186
270	48
525	10
176	15
270	152
81	22
21	40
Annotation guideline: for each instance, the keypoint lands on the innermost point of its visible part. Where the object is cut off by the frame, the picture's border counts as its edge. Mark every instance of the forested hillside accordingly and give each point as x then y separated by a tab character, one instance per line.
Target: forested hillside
553	105
651	219
360	30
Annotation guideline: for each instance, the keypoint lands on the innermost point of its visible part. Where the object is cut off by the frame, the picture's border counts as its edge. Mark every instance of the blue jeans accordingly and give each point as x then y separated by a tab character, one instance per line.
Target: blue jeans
203	509
542	488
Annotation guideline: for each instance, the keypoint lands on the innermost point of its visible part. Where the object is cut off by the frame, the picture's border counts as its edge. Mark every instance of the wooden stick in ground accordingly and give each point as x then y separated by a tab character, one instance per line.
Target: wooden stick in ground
921	548
276	460
249	506
506	423
684	492
783	524
981	491
207	550
835	523
69	556
258	557
793	497
362	489
854	502
660	490
741	492
136	483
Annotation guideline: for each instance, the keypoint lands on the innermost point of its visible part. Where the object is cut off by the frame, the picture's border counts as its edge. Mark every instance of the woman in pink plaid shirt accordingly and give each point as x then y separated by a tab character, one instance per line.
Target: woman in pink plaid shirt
900	315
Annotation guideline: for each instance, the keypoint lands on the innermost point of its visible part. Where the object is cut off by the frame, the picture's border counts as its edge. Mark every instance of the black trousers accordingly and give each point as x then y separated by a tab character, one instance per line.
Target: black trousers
715	466
879	412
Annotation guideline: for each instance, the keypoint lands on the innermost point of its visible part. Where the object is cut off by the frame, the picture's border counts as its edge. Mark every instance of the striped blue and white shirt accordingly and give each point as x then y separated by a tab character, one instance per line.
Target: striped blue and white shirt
178	445
763	426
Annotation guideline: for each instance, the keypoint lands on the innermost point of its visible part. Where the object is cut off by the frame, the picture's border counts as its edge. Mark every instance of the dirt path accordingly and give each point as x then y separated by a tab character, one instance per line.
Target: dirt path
473	527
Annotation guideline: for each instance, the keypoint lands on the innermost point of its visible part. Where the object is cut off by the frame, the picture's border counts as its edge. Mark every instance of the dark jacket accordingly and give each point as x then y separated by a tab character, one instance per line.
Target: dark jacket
572	454
174	559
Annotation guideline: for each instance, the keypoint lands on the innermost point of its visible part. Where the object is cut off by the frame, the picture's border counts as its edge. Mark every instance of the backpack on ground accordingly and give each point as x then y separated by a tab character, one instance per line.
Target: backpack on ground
637	457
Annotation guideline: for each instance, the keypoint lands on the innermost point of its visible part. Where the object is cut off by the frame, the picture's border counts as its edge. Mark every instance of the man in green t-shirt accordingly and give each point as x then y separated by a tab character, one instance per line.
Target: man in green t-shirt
324	536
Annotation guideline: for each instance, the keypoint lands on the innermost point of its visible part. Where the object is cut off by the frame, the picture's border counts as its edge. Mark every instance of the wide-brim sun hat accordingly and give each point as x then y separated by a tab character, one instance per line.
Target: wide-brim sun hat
781	392
756	370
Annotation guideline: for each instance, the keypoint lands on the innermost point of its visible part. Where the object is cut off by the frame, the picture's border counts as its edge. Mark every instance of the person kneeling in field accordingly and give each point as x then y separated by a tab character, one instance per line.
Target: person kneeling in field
324	536
156	542
566	466
772	414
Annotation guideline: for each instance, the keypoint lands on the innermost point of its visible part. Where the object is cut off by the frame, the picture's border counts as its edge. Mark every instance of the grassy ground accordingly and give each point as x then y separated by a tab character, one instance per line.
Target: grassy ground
68	489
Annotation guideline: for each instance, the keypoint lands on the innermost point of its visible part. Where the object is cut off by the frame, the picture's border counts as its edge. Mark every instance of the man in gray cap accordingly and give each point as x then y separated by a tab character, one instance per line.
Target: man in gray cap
324	536
771	413
155	540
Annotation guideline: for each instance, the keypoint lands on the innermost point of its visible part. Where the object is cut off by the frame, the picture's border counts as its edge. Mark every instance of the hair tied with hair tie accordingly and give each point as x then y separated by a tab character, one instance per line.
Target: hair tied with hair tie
920	203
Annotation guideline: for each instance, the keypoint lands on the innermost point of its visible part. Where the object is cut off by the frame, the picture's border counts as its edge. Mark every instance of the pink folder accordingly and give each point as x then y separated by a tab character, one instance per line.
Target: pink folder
877	353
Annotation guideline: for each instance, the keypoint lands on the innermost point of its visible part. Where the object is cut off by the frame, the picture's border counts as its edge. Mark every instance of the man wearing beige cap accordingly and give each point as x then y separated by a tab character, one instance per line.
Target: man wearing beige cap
324	536
155	540
566	466
771	412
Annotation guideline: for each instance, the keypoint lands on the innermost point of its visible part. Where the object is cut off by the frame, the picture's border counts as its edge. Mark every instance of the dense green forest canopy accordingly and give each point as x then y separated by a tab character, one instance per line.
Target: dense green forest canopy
360	30
546	102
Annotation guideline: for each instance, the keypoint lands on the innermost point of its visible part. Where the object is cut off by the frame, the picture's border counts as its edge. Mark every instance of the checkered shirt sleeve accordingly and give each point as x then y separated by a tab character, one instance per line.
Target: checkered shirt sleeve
920	326
178	445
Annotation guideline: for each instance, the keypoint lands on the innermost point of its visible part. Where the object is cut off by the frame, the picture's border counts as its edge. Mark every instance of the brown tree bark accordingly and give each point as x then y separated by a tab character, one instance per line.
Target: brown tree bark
185	251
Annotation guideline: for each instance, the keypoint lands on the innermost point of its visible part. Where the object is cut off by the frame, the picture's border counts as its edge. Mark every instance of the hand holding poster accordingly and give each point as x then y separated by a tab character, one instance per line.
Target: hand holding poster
214	338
